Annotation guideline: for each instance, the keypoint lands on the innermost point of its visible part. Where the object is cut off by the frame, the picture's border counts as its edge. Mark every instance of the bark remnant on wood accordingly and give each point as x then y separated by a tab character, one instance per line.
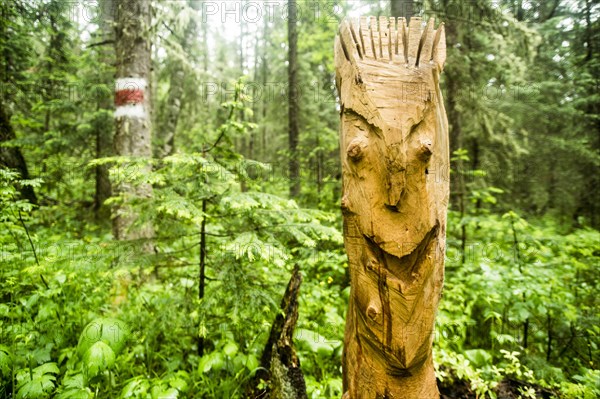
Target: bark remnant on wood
394	149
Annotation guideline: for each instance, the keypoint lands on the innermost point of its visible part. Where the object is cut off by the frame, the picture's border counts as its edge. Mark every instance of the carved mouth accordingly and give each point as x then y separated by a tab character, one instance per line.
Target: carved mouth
405	268
394	277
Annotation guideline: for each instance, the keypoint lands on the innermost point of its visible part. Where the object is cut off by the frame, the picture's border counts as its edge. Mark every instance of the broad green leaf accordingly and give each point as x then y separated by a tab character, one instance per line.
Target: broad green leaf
136	387
178	383
74	381
211	361
60	277
39	387
159	392
478	357
84	393
112	332
5	362
4	309
46	368
97	358
251	362
230	349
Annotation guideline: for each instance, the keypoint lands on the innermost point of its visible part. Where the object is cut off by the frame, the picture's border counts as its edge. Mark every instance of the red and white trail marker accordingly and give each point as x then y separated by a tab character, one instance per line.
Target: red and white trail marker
129	98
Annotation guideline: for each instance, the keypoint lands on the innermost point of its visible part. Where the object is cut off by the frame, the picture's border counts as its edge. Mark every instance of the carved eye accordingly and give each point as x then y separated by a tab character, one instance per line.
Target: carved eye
374	313
356	148
425	150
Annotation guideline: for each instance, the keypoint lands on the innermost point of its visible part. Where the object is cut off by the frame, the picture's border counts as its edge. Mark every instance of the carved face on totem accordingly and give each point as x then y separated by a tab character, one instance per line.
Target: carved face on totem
394	143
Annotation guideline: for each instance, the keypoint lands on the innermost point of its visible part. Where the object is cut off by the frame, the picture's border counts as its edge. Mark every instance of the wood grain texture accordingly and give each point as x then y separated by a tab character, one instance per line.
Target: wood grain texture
394	146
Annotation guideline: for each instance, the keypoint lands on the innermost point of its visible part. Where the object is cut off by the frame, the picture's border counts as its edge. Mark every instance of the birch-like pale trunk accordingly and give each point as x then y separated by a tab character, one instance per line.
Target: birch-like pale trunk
394	149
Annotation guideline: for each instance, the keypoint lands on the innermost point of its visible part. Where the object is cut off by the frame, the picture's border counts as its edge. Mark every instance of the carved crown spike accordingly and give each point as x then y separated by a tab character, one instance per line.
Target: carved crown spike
426	44
438	54
391	40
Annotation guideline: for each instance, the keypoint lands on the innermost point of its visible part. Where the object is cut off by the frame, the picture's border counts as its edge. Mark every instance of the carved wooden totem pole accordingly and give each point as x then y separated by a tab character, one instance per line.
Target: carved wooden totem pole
394	142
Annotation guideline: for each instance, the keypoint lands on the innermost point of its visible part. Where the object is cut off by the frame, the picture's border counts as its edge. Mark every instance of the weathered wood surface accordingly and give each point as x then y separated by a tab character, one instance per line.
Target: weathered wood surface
394	147
280	364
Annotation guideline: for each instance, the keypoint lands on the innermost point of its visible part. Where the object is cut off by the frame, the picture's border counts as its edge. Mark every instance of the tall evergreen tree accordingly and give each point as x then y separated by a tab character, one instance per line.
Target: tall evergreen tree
293	100
133	137
15	47
104	135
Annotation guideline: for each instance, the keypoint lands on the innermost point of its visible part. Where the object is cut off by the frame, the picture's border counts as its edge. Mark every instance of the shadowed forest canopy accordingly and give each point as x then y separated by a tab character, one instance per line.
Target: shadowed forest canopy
165	165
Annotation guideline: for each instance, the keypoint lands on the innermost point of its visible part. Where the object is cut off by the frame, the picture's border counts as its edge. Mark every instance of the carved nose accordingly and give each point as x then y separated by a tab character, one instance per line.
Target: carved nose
396	187
396	175
396	182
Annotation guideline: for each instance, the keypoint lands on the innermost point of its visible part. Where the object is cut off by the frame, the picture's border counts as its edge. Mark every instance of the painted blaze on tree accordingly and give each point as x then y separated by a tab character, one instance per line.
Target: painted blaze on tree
394	142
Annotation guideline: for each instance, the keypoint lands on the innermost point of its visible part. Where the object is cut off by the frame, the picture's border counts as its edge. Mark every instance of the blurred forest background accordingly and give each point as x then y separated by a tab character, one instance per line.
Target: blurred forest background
245	183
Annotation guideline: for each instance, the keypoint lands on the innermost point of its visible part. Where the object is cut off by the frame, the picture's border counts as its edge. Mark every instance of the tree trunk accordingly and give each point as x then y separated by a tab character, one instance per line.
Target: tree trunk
293	109
242	142
394	141
132	114
12	64
104	136
103	187
264	103
589	31
279	362
11	157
